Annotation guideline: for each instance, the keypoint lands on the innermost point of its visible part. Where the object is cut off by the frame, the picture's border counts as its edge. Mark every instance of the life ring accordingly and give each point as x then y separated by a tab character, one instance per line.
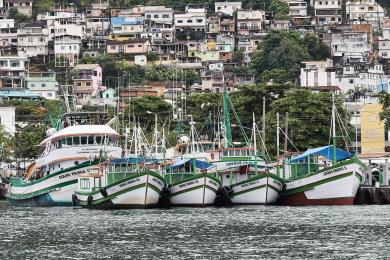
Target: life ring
89	200
74	200
103	191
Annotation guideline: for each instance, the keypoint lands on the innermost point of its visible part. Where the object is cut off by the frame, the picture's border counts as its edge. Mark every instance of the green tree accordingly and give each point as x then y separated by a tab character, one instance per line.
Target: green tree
278	76
6	146
317	50
13	13
280	9
309	118
40	6
140	107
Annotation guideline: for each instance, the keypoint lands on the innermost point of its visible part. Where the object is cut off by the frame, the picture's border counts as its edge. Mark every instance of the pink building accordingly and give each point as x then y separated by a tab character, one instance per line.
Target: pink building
136	46
87	81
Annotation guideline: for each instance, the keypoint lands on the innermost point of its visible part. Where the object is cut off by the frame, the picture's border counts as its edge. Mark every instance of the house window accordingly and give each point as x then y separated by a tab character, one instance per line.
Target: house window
88	84
155	16
49	94
189	21
139	45
113	47
199	20
32	85
43	85
130	46
179	21
148	16
165	16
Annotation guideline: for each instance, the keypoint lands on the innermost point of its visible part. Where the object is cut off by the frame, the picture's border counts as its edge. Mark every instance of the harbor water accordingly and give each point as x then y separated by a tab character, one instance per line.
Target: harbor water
247	232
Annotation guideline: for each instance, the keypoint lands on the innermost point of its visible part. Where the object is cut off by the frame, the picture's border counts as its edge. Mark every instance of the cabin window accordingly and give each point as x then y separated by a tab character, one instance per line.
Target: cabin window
69	141
117	168
90	140
83	140
59	143
110	168
84	184
123	167
98	140
225	153
76	140
227	176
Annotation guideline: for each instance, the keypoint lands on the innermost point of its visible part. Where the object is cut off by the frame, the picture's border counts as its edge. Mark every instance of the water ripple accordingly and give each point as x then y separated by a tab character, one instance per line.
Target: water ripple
202	233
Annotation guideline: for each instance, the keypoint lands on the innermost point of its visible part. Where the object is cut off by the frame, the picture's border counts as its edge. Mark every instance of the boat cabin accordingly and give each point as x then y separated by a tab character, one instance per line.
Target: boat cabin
298	165
84	118
226	154
185	168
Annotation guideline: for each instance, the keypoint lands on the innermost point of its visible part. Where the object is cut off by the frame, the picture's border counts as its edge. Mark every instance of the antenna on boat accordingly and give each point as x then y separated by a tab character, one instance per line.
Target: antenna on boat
334	128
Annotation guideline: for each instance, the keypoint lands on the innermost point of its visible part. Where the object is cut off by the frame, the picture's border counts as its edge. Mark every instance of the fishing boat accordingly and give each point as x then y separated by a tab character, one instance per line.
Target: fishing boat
81	141
243	172
120	183
246	176
190	184
322	176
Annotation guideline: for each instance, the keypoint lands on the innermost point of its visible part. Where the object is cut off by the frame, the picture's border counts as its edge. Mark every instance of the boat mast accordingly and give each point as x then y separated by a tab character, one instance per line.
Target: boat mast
192	134
226	120
334	129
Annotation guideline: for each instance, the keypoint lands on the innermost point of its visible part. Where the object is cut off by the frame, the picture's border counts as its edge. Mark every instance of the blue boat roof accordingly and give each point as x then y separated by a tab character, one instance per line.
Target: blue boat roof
326	151
133	160
198	163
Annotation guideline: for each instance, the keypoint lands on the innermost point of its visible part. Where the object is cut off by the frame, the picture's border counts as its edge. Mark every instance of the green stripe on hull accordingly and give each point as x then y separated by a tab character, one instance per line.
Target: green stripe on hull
112	196
311	186
255	188
18	182
16	196
192	189
197	176
344	163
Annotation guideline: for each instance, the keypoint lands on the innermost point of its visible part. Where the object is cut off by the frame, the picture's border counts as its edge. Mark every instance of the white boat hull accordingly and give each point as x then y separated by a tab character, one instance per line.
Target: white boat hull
335	186
201	191
142	190
257	190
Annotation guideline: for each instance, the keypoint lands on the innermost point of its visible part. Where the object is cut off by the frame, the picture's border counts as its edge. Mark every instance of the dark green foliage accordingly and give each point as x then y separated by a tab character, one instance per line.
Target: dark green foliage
13	13
285	51
309	118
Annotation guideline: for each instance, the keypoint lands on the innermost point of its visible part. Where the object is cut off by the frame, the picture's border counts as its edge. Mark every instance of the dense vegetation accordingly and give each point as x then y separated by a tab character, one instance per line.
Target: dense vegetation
281	53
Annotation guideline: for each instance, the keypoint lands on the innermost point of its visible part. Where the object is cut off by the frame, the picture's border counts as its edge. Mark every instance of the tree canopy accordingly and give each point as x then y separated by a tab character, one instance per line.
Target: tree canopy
285	50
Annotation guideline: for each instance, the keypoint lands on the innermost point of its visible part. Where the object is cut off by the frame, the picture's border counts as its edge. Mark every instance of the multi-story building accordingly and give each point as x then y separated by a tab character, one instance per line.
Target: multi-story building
227	25
93	47
384	41
87	80
365	11
328	12
352	44
135	46
124	28
8	35
297	8
227	7
33	40
43	84
23	6
318	74
12	71
68	35
250	22
191	24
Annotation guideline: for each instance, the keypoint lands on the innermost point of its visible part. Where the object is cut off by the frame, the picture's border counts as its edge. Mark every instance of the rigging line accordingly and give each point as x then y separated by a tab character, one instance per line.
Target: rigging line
239	122
285	135
342	128
266	155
